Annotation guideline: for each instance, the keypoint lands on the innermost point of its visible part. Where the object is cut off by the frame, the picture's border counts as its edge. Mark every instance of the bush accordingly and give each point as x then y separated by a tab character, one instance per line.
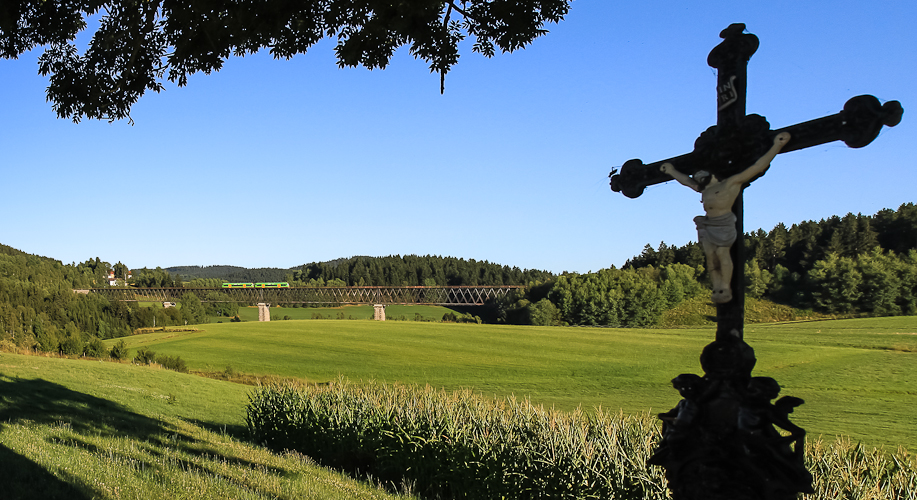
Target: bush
544	313
72	345
119	350
144	356
172	363
47	338
450	317
95	348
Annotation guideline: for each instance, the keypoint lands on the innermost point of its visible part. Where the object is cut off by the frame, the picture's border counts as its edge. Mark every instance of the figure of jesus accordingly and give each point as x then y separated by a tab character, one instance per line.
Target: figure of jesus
716	231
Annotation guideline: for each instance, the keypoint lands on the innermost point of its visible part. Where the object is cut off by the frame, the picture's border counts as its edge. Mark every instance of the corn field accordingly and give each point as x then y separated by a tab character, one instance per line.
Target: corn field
441	445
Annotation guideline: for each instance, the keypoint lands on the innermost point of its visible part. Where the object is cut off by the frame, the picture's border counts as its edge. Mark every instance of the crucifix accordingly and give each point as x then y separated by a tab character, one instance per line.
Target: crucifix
722	440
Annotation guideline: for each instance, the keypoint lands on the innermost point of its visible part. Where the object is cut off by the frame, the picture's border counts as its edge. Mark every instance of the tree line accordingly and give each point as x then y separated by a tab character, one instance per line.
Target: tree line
412	270
231	274
849	265
393	270
629	297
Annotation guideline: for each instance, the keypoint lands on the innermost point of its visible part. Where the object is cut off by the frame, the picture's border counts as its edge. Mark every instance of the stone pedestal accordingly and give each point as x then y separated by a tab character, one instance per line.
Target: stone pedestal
379	312
264	311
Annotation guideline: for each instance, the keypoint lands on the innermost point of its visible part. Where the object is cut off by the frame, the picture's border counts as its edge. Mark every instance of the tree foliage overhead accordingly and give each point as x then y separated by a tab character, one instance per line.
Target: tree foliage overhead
140	42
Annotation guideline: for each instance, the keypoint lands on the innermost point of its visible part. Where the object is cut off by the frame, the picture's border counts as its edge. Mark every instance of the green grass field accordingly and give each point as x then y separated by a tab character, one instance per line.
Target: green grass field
81	430
855	375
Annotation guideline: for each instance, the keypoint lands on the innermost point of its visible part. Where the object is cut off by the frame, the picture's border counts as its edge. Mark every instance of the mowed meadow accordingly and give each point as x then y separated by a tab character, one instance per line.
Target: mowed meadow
856	375
83	430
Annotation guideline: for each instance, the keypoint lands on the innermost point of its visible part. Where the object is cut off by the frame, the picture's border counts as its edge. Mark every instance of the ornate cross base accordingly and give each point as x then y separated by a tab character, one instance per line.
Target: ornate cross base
721	442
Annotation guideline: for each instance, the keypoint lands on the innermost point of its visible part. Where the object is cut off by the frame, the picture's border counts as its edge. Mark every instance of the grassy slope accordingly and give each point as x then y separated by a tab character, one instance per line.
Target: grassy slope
853	374
86	429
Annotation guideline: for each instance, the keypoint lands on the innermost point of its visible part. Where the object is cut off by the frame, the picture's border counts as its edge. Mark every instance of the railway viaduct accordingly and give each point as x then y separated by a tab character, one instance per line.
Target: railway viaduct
378	296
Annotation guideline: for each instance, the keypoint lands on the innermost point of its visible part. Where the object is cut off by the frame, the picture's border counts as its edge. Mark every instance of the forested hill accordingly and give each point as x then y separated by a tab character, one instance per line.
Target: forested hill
230	273
38	309
414	270
854	264
800	246
394	270
851	265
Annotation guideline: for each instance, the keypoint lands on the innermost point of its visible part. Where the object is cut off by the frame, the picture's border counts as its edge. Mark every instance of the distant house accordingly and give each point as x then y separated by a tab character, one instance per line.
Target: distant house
112	281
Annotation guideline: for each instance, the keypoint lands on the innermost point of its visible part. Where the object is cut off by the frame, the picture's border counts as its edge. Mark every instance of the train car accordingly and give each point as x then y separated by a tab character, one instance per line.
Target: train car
238	285
283	284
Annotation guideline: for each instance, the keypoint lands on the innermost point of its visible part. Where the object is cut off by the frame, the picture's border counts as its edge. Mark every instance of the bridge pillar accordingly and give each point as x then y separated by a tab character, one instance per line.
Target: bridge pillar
379	312
264	312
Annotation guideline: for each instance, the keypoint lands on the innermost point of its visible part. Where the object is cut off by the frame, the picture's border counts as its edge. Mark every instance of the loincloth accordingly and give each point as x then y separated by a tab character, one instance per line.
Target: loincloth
719	231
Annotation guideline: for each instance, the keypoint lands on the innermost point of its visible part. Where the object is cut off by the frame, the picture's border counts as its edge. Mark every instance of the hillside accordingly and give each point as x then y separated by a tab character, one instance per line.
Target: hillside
85	430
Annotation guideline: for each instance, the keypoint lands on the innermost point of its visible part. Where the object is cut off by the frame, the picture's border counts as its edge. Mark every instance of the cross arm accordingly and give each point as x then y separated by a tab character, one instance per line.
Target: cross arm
634	176
857	125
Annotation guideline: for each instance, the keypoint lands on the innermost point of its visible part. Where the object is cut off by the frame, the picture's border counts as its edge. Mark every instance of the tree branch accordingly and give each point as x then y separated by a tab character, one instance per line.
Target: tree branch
461	11
442	72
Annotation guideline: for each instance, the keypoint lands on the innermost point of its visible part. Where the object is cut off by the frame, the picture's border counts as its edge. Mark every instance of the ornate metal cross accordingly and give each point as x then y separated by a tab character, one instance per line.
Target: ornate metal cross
720	442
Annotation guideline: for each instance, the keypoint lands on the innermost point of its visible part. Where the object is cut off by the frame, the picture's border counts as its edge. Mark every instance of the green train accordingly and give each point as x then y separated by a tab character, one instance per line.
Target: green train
282	284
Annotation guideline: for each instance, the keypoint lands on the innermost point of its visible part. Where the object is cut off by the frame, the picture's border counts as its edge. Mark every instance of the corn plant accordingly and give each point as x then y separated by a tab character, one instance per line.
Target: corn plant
460	445
847	471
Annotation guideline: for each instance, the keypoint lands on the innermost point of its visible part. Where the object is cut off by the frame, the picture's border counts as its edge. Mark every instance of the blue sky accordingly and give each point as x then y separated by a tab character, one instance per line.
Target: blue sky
279	163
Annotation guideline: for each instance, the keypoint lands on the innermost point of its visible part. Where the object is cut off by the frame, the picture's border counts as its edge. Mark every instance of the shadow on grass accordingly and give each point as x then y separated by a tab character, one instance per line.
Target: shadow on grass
237	432
40	402
36	401
187	466
23	479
